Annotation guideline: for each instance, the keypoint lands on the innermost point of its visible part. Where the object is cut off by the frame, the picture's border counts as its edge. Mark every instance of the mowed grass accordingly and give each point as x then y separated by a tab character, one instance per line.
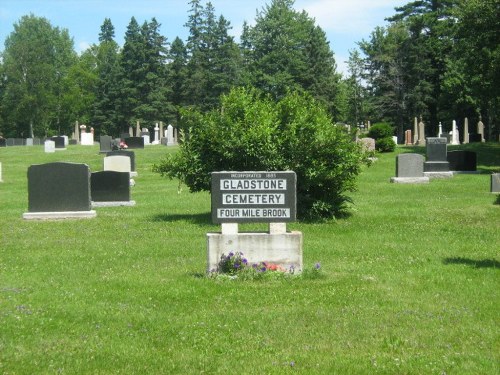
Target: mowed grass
410	286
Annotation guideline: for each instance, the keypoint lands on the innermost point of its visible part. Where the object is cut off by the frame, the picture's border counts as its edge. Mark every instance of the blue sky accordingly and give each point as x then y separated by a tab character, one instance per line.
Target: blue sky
345	22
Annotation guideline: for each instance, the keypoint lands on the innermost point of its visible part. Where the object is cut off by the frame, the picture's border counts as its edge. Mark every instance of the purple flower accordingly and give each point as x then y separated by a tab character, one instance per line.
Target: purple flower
236	265
263	269
244	260
230	254
317	266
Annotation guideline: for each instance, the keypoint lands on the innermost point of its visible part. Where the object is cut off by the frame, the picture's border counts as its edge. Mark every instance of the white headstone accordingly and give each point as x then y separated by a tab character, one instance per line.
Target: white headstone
454	134
50	146
395	139
170	135
118	163
466	130
440	132
415	131
66	140
87	139
157	135
480	129
29	141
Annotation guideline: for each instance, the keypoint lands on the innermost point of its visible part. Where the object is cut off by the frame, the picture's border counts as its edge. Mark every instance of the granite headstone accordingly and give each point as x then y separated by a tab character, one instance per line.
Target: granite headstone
110	186
461	160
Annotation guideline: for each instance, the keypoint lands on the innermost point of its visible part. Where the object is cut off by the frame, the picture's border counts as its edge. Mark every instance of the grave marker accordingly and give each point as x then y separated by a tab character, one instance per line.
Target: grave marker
410	169
437	165
495	183
58	190
110	188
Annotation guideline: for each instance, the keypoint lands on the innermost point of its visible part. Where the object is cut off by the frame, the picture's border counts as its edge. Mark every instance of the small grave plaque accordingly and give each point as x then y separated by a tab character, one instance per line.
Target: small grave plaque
239	197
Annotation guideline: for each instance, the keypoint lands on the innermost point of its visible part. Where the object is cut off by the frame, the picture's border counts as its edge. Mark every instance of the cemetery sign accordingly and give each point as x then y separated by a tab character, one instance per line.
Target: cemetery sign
241	197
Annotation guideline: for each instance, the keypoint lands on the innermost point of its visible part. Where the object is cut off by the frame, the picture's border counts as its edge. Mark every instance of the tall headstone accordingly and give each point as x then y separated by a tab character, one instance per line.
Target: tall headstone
466	130
415	131
170	135
105	144
408	139
437	165
495	183
146	136
480	129
110	188
410	169
157	135
440	131
59	190
161	131
454	134
130	132
138	129
421	132
77	132
50	146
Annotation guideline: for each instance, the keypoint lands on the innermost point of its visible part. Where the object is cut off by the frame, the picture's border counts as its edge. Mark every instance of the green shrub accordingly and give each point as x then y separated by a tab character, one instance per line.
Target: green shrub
385	144
252	132
380	130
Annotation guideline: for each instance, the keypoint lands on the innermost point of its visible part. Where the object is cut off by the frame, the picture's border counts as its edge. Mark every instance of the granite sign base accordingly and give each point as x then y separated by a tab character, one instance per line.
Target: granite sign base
113	204
410	180
282	249
443	174
59	215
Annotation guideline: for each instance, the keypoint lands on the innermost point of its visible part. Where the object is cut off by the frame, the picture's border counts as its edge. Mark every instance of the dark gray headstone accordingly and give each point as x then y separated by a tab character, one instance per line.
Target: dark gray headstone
130	154
495	183
73	142
59	142
110	186
135	142
3	142
409	165
473	138
58	187
105	143
461	160
436	155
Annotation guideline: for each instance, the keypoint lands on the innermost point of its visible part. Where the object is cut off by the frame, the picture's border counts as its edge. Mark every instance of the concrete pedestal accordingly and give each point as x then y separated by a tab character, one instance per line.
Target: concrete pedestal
283	249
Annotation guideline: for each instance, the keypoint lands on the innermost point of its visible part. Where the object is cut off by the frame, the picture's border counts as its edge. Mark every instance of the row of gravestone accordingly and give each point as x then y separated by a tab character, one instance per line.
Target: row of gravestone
69	190
60	141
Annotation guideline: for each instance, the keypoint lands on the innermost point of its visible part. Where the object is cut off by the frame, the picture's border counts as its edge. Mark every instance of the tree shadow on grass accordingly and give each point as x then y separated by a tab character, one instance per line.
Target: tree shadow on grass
203	219
480	263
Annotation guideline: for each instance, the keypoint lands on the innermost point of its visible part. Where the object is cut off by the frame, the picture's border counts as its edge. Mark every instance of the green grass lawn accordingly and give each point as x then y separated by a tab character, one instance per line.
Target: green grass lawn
410	286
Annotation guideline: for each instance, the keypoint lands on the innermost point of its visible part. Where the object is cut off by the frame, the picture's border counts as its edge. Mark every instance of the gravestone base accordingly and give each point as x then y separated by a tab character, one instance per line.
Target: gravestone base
133	174
433	175
410	180
59	215
113	204
283	249
466	172
436	166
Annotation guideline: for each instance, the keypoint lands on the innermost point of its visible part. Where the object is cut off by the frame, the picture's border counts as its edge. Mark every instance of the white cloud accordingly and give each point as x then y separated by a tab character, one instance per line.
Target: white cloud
349	16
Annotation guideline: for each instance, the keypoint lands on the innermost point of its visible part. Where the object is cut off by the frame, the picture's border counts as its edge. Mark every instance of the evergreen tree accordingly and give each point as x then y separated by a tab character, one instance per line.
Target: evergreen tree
288	52
177	73
105	118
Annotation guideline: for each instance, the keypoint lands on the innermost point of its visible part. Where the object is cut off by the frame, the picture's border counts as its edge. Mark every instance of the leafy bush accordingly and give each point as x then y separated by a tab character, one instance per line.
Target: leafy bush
380	130
252	132
385	144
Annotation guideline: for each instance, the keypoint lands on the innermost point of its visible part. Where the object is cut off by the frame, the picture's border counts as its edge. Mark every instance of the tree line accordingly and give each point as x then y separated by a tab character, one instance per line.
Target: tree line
436	58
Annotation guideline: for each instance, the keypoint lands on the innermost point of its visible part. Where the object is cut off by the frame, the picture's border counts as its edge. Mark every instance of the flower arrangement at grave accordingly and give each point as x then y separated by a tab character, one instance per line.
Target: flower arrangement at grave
123	145
234	265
